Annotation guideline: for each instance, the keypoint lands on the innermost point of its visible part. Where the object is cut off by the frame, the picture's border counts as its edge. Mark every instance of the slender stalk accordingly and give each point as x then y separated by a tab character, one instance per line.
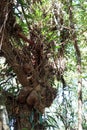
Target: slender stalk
78	58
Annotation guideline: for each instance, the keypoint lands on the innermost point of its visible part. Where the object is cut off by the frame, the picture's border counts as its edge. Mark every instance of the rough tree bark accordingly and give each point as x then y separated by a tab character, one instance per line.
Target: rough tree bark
33	73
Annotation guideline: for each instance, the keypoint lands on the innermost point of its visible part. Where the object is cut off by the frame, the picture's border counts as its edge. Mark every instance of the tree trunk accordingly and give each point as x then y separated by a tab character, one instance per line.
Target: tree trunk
23	116
78	58
27	107
79	99
28	119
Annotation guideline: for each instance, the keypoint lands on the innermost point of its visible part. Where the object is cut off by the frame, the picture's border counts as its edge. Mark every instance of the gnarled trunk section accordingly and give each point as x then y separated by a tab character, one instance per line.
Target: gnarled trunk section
33	71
